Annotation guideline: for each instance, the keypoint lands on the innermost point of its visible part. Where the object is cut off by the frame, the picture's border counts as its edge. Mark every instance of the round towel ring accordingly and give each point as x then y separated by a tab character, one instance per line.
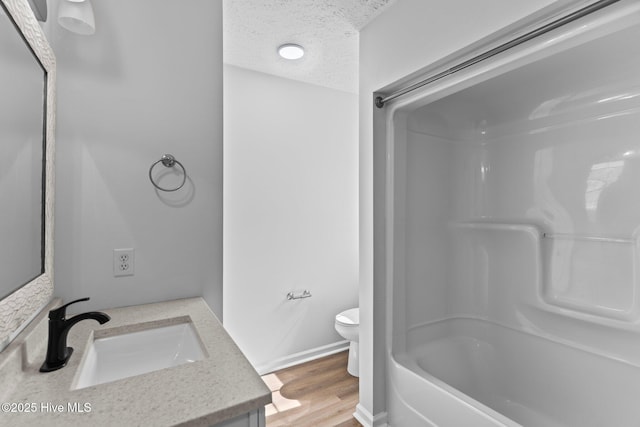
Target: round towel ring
168	161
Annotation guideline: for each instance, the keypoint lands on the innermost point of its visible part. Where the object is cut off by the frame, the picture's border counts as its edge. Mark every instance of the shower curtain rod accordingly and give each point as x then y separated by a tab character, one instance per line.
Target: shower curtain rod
380	100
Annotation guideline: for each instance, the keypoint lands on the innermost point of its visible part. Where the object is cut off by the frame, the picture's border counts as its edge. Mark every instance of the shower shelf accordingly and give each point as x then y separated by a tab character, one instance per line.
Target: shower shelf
588	238
595	275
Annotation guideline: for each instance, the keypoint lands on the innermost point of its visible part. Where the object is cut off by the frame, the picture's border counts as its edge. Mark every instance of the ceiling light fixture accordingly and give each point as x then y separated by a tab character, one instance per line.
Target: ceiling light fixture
291	51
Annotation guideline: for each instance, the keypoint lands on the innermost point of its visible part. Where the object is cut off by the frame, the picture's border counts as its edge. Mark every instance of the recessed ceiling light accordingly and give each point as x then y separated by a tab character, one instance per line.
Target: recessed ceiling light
291	51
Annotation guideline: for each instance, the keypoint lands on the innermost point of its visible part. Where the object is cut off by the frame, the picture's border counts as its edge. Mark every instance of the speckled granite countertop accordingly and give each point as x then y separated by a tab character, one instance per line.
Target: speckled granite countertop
220	387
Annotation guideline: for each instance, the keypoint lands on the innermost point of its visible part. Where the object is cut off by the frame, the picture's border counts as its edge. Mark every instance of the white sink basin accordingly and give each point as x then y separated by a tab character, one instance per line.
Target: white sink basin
130	354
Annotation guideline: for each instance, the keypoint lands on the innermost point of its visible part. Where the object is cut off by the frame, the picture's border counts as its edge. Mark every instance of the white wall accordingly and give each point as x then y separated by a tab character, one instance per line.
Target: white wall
148	82
407	37
291	214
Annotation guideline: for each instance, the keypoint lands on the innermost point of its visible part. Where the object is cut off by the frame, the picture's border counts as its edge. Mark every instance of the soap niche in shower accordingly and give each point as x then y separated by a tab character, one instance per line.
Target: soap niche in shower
595	275
502	264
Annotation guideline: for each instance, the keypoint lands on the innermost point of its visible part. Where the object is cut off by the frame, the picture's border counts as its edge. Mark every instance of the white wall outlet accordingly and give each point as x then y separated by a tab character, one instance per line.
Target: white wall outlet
123	262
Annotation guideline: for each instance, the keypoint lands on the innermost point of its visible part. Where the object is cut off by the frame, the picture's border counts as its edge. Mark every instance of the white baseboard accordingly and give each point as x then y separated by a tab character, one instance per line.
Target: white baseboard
303	356
365	417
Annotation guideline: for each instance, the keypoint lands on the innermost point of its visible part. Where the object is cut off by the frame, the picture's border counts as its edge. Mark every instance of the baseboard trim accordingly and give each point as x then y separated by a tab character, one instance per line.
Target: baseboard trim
365	417
303	356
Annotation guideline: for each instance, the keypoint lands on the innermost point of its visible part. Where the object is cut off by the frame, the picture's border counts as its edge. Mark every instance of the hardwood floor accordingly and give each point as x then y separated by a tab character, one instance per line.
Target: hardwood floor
319	393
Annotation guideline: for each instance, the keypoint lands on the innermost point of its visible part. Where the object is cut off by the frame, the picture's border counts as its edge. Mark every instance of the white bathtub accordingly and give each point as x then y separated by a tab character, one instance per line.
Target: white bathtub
470	372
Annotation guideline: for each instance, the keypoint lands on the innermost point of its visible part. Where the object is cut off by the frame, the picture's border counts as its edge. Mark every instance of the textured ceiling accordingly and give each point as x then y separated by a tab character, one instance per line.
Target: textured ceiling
328	30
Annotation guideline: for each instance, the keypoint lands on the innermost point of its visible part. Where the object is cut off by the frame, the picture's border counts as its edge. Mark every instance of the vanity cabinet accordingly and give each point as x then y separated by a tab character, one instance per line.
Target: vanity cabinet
250	419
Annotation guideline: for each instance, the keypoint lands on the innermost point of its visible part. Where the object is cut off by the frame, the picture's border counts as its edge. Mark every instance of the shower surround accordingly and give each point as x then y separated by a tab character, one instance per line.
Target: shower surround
512	218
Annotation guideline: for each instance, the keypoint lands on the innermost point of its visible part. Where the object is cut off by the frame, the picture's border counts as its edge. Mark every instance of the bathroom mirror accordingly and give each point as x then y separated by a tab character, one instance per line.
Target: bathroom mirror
27	117
22	139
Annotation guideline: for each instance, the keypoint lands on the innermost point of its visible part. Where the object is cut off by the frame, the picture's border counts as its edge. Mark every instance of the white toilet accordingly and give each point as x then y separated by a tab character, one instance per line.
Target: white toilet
348	326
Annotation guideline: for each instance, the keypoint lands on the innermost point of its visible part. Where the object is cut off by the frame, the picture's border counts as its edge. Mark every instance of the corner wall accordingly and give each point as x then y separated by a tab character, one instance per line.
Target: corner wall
291	215
148	82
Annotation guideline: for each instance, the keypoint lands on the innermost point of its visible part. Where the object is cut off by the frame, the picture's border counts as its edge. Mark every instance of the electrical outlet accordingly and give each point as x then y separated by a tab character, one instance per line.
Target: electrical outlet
123	262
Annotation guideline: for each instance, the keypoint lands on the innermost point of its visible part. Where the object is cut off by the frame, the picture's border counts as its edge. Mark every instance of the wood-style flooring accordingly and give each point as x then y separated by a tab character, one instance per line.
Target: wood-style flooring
320	393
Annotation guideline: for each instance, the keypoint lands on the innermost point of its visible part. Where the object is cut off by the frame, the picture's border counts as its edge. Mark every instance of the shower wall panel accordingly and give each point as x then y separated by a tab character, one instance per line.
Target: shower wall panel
442	182
516	200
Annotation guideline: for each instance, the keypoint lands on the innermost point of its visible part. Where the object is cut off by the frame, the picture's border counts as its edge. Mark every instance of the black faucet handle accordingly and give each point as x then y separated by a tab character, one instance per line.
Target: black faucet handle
60	312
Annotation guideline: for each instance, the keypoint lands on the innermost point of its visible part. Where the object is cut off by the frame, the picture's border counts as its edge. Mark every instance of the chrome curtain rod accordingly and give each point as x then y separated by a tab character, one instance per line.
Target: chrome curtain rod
380	101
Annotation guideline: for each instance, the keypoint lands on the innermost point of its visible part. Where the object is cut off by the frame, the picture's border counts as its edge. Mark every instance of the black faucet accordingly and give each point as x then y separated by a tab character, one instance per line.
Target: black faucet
57	351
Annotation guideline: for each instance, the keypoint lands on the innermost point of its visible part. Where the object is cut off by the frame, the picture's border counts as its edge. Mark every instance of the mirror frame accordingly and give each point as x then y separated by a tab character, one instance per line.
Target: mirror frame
24	304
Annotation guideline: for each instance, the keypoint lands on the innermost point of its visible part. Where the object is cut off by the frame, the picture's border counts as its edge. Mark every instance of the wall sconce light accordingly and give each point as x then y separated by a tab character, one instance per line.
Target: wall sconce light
77	16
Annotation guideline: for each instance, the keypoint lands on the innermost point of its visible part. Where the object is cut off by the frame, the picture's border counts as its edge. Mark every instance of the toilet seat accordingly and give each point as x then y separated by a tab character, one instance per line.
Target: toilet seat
349	317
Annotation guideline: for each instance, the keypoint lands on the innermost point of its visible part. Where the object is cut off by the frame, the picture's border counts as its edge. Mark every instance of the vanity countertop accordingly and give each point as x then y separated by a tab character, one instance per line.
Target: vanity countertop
202	393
